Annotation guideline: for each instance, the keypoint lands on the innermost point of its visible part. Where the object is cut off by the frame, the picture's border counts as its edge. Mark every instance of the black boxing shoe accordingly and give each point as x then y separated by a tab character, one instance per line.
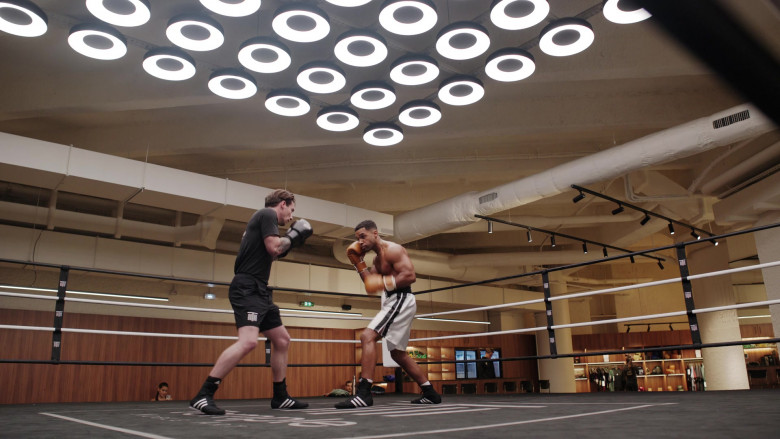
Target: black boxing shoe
362	397
429	396
287	403
205	404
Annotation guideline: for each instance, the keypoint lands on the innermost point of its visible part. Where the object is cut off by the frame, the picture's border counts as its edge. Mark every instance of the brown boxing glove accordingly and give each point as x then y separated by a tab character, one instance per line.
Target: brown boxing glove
376	283
355	255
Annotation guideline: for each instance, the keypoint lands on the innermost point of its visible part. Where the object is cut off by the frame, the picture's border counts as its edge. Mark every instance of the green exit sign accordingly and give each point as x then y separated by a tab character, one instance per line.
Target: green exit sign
307	304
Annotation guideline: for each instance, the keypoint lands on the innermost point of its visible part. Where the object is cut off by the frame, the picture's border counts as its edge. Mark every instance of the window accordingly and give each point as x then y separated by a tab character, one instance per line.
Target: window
468	370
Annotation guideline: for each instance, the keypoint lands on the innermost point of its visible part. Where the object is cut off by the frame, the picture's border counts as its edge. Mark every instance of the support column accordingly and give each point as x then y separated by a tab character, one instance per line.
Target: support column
768	246
724	367
559	371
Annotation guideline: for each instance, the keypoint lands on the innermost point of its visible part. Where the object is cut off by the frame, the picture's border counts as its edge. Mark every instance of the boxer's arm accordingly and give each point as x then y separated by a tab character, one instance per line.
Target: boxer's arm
276	245
402	266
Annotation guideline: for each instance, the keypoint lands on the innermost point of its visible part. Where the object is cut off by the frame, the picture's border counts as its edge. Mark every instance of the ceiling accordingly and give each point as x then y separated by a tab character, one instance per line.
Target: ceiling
634	80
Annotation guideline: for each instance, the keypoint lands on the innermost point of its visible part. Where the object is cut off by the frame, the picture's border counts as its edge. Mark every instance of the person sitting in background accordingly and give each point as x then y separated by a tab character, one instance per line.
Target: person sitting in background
162	392
485	369
345	390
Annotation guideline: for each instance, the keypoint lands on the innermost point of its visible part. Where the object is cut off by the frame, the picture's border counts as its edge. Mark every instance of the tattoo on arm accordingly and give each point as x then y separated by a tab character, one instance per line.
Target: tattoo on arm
284	245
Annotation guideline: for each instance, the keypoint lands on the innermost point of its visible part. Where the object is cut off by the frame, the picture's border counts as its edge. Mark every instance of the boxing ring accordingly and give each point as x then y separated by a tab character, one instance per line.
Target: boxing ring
500	414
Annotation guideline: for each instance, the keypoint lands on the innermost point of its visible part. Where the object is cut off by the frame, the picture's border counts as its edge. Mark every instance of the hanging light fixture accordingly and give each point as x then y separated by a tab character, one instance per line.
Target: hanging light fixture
585	248
566	36
97	41
578	198
232	84
419	113
408	17
511	64
462	40
348	3
624	12
490	226
373	95
321	77
169	63
671	229
631	258
301	23
660	265
337	118
360	48
264	55
33	24
528	235
461	90
604	252
232	8
518	14
127	13
287	102
552	240
695	235
618	209
383	134
195	32
414	70
644	220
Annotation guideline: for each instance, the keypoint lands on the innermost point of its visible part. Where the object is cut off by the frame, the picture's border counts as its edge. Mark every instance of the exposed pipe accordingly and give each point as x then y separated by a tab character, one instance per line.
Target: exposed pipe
764	157
674	143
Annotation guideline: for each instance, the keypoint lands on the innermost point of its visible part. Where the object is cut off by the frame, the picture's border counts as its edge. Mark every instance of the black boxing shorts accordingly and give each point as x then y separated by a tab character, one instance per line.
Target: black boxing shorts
252	303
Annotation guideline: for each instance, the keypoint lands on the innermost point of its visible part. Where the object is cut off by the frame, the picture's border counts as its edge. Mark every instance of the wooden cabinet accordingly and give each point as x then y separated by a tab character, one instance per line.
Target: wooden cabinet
658	375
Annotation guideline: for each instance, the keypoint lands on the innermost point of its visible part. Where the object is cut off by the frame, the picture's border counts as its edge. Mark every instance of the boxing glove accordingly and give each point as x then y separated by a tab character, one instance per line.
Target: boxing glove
355	255
298	232
376	283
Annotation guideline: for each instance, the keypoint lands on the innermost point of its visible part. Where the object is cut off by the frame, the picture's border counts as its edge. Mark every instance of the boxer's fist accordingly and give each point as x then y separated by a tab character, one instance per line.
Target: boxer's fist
374	283
298	232
355	255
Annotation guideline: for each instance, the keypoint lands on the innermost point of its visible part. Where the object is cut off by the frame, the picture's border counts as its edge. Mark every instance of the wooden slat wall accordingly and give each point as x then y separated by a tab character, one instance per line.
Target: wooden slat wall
39	383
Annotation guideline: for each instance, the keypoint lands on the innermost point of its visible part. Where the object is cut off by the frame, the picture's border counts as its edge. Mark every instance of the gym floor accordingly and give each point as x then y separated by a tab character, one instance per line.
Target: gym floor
726	414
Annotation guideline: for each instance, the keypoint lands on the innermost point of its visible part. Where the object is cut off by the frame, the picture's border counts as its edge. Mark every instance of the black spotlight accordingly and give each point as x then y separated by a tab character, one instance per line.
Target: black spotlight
671	229
578	198
346	307
644	220
618	210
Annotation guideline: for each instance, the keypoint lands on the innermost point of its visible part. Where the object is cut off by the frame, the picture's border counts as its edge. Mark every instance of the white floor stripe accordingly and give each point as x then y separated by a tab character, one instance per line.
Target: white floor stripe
108	427
438	412
482	427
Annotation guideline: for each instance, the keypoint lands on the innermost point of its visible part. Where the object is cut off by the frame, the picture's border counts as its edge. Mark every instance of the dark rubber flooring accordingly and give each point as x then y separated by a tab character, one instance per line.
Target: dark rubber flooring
729	414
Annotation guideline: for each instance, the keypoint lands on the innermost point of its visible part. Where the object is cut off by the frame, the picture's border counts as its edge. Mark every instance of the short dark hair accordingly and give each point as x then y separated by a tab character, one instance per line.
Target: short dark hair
348	382
366	224
162	384
277	196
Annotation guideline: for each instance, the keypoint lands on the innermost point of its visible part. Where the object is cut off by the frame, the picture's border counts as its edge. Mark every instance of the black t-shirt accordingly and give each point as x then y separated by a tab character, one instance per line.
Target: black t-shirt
252	257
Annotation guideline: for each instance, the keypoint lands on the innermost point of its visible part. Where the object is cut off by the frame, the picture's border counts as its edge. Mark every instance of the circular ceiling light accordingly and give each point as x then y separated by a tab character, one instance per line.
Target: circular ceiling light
195	32
567	36
97	41
624	12
414	70
287	103
348	3
264	55
461	90
127	13
360	48
383	134
373	95
321	77
169	63
462	40
232	8
408	17
510	64
518	14
22	18
301	23
419	113
232	84
337	118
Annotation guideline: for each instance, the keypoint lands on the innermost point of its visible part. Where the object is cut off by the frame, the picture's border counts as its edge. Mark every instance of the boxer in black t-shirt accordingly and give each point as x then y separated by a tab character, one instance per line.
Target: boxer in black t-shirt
252	300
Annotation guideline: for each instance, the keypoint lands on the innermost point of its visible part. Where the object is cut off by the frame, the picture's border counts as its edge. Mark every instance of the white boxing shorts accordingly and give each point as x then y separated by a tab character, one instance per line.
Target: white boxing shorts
394	321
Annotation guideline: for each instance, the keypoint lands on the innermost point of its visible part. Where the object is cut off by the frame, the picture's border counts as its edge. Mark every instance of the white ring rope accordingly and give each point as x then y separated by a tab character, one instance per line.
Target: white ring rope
482	334
481	308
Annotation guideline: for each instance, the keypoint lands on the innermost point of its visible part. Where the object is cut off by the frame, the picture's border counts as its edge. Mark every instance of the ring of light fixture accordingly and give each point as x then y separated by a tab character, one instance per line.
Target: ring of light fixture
425	8
297	11
509	21
246	55
337	118
403	70
419	113
613	13
217	86
232	8
37	26
172	56
450	90
383	134
140	15
447	42
510	59
348	3
177	25
585	38
347	43
311	70
287	103
81	34
365	95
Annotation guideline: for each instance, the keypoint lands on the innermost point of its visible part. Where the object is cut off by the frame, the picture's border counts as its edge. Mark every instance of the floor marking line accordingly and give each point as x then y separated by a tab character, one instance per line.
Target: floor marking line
437	412
107	427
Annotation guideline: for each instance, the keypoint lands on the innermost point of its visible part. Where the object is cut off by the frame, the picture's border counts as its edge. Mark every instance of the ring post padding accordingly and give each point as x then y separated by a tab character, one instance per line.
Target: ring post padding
693	322
59	312
548	308
268	351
